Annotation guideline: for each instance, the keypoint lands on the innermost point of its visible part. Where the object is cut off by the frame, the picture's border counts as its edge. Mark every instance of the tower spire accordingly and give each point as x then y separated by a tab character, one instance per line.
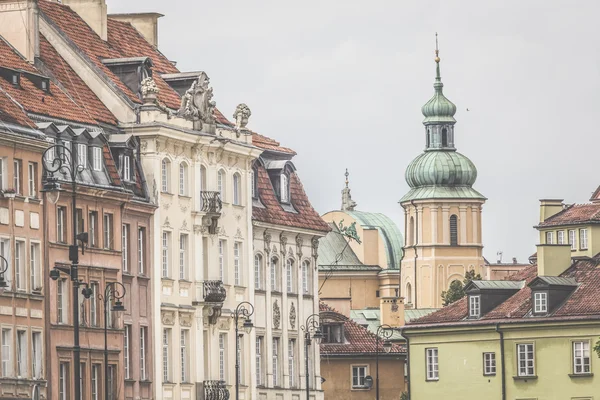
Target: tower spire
347	203
438	85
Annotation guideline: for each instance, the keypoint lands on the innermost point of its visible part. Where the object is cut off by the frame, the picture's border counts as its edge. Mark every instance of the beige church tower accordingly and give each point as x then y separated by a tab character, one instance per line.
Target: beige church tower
442	211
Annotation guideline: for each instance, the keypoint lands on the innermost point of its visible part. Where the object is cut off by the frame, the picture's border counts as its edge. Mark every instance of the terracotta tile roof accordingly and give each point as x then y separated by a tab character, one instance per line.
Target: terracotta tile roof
583	302
575	214
358	340
111	167
10	112
306	216
54	103
266	143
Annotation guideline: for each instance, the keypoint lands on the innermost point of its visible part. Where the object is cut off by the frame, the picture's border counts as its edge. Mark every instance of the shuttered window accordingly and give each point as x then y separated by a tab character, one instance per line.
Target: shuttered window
453	230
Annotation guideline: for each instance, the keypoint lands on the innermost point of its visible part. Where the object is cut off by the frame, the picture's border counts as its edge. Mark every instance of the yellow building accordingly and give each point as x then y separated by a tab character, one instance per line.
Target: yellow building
528	338
442	211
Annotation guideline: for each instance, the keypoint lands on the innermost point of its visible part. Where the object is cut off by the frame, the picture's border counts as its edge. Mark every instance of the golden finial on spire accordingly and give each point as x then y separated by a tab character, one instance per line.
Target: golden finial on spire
437	51
346	175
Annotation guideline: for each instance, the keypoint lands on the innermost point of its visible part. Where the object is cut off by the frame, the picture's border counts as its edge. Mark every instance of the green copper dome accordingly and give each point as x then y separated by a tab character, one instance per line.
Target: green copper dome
438	108
445	168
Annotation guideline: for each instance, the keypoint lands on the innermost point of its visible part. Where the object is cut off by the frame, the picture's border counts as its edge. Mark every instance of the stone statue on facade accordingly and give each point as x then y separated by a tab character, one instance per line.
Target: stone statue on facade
241	115
197	104
149	90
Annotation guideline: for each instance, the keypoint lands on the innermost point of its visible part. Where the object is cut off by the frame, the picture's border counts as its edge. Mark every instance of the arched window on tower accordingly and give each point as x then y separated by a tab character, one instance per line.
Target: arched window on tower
427	138
411	231
408	295
444	137
453	230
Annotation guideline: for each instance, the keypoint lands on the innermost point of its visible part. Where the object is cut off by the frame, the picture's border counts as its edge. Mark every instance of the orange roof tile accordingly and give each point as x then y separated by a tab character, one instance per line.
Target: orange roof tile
267	143
574	214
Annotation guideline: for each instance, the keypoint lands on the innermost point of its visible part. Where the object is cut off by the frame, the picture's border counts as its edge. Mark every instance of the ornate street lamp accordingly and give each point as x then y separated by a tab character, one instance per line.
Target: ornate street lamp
383	331
113	291
313	327
243	310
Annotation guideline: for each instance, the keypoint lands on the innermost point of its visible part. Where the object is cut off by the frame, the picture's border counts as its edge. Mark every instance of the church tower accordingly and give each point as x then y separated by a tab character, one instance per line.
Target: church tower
442	211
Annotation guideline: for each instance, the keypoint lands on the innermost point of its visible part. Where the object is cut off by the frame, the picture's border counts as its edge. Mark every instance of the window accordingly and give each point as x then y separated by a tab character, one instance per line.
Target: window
20	265
97	158
95	379
141	250
259	364
525	361
63	381
475	306
253	181
222	247
222	344
274	274
284	189
275	356
453	230
61	300
359	372
411	231
560	237
112	382
165	354
3	173
408	293
79	227
236	262
127	351
581	357
432	364
94	304
125	246
572	240
333	333
32	179
444	137
489	363
66	152
18	176
258	271
237	189
93	228
292	362
583	239
143	341
108	231
221	184
82	155
549	237
540	302
34	266
164	172
183	256
127	168
5	252
61	224
289	275
166	240
306	277
36	355
7	367
183	353
183	179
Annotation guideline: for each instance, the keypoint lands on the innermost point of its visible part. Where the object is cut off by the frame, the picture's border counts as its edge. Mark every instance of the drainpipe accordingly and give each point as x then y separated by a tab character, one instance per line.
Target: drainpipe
502	361
416	242
407	362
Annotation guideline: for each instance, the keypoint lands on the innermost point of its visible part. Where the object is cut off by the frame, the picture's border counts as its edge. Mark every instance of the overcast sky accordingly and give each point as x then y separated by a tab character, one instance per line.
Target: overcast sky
343	82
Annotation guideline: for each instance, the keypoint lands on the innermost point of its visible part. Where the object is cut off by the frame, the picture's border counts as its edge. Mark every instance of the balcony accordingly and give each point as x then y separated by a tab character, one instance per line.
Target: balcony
214	292
212	390
210	295
211	205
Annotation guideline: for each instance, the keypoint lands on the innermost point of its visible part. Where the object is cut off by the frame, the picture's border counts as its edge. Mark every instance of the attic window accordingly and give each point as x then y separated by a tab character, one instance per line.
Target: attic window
15	79
474	306
540	302
333	333
284	189
44	85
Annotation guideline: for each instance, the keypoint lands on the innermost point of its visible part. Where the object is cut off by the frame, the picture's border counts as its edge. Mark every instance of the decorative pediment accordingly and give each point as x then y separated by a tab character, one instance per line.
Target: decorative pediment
185	319
167	224
168	317
238	234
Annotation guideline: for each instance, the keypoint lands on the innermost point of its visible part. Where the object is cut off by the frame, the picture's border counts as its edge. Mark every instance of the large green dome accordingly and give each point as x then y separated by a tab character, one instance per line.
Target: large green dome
440	168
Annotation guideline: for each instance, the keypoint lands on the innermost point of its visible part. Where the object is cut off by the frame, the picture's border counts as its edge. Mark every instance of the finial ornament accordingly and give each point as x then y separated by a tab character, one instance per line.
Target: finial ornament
346	175
437	50
347	203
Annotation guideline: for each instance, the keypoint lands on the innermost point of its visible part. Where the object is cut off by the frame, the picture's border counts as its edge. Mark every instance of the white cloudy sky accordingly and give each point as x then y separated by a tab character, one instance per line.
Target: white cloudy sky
342	82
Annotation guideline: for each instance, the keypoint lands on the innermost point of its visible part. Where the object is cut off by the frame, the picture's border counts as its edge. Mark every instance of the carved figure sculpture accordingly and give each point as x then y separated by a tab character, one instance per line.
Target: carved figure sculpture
196	103
149	90
242	114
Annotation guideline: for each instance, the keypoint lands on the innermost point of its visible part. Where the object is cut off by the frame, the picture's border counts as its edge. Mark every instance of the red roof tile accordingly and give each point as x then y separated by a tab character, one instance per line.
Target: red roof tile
306	217
111	166
574	214
10	112
358	340
266	143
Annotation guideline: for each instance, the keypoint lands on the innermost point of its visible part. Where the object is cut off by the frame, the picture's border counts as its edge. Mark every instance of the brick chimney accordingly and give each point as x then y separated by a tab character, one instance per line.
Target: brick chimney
392	311
553	259
145	23
550	207
93	12
19	26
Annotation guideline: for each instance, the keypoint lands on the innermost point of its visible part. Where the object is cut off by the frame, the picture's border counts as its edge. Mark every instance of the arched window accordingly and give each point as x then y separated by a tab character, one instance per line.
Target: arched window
453	230
289	275
164	173
284	189
408	293
258	272
274	274
237	189
411	231
221	184
306	277
444	137
183	179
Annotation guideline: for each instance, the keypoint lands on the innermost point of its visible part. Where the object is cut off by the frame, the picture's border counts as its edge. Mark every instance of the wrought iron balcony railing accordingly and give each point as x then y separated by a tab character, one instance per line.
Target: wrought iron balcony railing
210	202
214	292
215	390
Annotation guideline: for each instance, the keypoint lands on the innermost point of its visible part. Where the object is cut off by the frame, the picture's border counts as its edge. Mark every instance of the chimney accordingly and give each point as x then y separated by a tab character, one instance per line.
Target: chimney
392	311
550	207
93	12
145	23
19	26
553	259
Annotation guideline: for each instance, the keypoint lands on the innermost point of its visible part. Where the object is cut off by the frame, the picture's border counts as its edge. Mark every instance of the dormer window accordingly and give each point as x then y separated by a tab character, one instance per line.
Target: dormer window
127	168
474	306
15	79
333	333
44	84
284	189
82	155
97	158
540	303
254	180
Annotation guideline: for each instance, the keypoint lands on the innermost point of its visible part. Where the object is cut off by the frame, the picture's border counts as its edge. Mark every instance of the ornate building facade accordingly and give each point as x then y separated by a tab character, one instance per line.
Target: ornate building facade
442	211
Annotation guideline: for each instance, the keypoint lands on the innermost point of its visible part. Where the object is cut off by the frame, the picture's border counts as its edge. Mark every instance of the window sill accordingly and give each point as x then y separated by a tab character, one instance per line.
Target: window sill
261	291
145	382
168	194
185	196
525	378
489	375
143	276
307	296
238	205
432	380
360	389
166	278
586	375
276	292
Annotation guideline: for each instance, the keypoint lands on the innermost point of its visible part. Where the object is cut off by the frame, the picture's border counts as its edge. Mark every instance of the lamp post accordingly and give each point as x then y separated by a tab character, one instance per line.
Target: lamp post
386	332
3	269
244	310
61	159
312	326
113	291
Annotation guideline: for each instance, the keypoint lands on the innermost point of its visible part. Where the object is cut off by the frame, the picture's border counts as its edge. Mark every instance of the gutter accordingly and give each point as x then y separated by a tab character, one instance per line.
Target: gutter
501	333
408	363
416	242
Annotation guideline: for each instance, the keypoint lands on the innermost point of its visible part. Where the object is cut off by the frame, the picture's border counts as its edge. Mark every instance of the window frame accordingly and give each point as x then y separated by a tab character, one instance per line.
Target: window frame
221	184
20	265
183	256
183	179
183	352
258	272
284	188
582	357
237	263
35	266
165	170
108	231
143	355
355	374
97	158
165	253
432	365
275	354
453	228
289	276
274	274
141	243
259	343
583	239
560	237
32	173
549	237
489	370
61	224
166	362
125	246
306	278
542	296
572	235
18	176
222	259
237	189
127	351
222	356
474	306
526	360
